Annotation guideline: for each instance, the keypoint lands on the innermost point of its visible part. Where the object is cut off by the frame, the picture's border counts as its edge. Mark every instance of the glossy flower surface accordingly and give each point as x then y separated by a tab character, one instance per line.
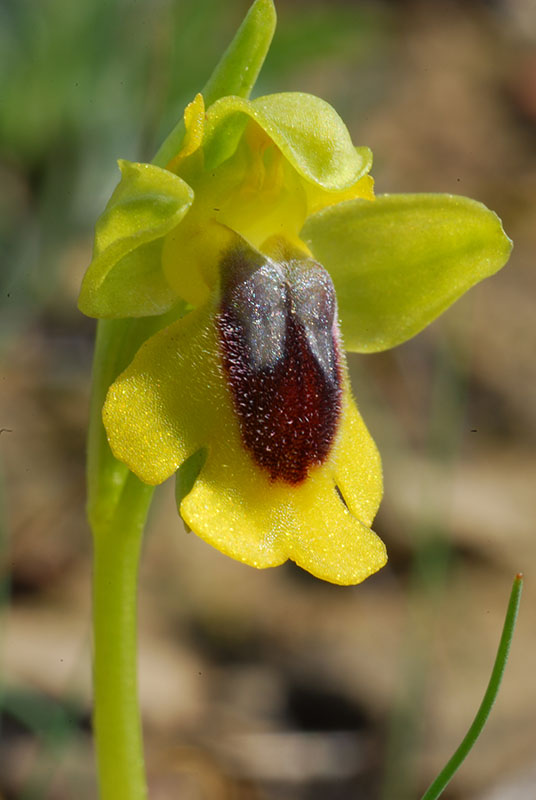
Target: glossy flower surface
265	224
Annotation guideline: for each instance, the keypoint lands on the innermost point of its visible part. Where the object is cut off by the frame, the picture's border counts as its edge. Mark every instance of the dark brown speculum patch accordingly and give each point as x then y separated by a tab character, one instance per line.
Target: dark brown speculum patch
277	325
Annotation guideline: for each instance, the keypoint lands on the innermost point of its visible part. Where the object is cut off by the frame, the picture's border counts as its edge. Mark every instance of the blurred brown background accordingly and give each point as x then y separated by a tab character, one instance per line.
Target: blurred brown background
271	685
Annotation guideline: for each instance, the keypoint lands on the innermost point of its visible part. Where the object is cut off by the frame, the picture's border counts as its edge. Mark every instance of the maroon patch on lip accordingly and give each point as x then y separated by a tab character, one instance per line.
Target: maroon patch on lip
277	327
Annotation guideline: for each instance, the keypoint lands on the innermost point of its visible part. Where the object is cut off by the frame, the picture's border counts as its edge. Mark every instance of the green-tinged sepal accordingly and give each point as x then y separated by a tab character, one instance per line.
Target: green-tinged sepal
125	277
236	72
400	261
307	130
239	67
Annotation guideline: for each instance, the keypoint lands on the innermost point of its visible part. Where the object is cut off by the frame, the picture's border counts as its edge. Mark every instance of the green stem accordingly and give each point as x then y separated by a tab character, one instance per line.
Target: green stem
439	784
116	718
118	504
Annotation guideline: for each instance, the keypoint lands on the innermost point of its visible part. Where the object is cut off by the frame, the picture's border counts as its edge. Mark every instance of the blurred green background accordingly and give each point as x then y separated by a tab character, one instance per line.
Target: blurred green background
271	684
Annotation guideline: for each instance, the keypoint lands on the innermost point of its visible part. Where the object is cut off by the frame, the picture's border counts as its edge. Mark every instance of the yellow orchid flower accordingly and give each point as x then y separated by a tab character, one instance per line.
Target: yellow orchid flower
265	225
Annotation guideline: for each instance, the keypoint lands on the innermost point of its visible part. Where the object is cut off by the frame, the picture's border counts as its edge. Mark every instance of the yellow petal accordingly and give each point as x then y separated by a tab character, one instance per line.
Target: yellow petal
194	123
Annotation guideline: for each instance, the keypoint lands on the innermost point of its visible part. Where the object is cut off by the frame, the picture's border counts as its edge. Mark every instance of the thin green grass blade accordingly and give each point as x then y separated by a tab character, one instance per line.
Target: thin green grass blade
438	785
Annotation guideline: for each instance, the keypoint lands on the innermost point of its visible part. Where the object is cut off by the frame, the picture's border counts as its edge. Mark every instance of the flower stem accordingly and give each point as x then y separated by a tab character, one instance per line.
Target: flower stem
438	785
116	712
118	504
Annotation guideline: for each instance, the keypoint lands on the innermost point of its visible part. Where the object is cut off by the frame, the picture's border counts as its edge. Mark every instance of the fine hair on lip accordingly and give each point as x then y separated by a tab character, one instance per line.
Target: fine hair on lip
279	346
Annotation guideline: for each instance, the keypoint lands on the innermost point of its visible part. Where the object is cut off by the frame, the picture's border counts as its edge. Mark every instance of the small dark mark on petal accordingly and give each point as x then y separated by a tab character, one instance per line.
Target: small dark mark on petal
341	498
